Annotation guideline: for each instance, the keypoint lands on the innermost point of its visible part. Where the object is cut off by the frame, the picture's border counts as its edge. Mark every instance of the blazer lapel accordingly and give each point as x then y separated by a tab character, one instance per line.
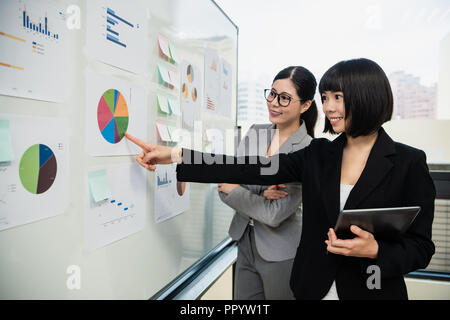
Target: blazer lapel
377	167
263	145
331	178
294	139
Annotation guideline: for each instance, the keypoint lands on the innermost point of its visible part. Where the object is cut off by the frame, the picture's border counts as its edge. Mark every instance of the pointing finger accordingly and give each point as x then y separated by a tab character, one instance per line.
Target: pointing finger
144	145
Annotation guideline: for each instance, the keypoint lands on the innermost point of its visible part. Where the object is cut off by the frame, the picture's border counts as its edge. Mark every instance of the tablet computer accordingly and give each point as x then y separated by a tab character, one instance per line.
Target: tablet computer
383	223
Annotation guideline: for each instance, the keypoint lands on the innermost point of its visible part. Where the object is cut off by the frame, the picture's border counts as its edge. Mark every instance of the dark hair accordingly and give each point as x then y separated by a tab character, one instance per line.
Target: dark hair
367	95
305	84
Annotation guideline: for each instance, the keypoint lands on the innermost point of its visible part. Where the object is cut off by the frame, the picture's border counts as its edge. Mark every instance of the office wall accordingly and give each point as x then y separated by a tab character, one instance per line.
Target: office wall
37	258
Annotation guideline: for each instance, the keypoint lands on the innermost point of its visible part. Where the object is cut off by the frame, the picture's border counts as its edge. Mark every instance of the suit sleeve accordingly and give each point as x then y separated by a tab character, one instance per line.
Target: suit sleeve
269	212
415	248
211	168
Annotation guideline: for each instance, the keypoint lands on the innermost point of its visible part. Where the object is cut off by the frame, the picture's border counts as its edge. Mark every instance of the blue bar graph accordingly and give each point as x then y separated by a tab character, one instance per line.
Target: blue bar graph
163	181
108	28
113	14
113	20
38	27
115	40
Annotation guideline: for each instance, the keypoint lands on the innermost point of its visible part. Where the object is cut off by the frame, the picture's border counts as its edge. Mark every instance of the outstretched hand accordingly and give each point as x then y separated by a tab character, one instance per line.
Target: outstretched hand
153	154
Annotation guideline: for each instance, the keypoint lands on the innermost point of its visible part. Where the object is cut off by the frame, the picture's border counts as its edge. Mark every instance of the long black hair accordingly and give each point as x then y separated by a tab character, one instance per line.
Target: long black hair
305	84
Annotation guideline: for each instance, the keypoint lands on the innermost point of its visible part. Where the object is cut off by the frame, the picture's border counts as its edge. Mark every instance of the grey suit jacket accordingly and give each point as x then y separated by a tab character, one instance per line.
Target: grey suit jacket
277	223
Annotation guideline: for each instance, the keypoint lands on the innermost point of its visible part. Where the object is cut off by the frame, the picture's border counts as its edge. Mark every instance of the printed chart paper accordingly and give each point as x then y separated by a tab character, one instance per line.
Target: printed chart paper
35	185
117	34
34	52
124	212
212	80
114	106
225	89
190	94
171	196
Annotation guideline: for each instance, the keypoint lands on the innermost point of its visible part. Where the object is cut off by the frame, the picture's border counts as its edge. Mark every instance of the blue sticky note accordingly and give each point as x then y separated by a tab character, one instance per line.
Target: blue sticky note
98	185
6	147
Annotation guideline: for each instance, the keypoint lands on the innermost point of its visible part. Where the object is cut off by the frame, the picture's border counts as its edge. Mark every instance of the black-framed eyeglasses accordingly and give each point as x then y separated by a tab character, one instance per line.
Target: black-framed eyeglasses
283	99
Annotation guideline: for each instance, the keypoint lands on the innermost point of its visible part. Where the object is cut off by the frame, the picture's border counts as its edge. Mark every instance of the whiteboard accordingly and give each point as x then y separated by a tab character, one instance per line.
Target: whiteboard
39	259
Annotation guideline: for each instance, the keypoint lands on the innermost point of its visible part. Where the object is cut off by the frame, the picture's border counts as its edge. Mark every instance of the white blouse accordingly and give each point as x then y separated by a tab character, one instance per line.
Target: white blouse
345	191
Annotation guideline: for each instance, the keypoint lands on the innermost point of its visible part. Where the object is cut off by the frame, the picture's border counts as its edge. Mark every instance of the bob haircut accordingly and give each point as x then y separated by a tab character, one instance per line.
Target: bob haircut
367	95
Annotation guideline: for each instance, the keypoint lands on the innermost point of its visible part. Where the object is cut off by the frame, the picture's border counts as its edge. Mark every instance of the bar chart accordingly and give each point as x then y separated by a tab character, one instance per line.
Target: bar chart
41	27
112	19
115	32
34	60
163	180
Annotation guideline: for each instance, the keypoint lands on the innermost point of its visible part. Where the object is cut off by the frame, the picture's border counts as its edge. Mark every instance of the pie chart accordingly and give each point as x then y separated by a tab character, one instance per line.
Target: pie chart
37	168
112	116
185	91
190	73
194	94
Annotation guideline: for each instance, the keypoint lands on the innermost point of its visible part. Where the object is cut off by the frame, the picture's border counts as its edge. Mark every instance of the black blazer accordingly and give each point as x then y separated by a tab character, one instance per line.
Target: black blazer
395	175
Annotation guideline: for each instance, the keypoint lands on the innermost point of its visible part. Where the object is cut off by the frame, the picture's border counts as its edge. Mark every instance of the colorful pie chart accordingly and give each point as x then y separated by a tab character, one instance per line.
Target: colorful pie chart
112	116
37	168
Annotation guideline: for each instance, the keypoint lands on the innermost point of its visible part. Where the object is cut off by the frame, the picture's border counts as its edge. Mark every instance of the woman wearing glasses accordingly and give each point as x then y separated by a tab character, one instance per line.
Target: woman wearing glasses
362	168
267	223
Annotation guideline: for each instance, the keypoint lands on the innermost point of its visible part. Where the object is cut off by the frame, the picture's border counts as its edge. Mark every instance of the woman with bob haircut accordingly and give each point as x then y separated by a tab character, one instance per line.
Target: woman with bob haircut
362	168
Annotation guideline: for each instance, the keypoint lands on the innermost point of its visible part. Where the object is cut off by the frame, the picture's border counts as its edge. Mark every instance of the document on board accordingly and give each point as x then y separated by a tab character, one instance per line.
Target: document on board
123	213
38	177
226	73
113	107
212	81
6	147
191	93
171	196
116	34
34	55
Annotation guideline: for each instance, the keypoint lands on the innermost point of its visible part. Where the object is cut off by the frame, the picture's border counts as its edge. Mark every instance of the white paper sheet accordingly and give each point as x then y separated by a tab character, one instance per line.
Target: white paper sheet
102	139
171	197
124	213
34	51
35	185
225	88
191	80
117	34
212	81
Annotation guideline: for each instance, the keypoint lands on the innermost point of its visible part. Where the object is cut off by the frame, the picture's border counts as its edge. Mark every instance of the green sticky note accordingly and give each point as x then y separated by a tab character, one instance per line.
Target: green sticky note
6	147
98	184
173	54
162	104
